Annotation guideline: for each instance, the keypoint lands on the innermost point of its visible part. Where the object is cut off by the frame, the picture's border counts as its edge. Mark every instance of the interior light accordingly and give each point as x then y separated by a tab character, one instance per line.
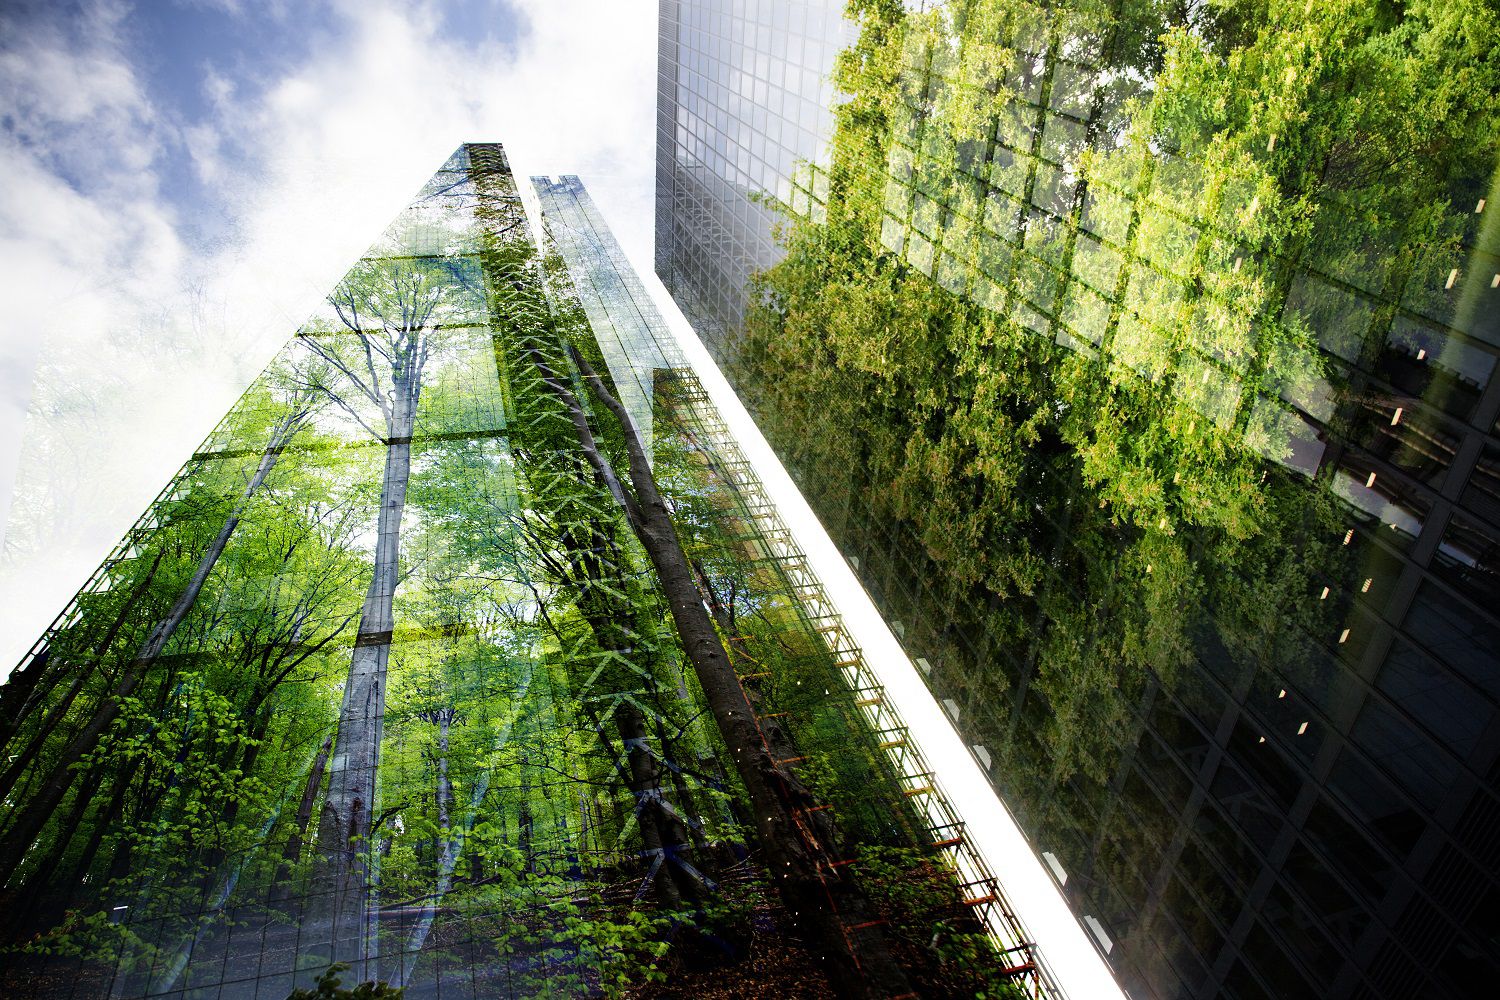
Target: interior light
1348	536
1282	693
1371	481
1366	588
1452	277
1344	636
1421	353
1302	729
1261	740
1396	417
1324	595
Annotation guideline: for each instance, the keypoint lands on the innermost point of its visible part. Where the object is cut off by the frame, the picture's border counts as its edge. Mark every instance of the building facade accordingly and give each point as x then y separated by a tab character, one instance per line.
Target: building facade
743	98
1142	364
392	675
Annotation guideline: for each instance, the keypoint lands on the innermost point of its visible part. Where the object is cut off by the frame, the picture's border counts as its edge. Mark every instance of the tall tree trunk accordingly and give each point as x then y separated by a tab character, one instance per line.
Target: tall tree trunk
454	847
22	689
101	828
657	837
824	900
215	855
39	739
293	850
41	804
44	802
344	826
664	836
524	822
41	902
451	845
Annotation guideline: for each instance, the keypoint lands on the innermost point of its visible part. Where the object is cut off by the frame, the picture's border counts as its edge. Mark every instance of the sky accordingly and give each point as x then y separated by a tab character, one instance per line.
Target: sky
184	180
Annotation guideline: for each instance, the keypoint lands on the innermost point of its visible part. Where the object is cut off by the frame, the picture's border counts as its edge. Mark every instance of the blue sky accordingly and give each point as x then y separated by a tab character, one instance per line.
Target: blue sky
188	57
184	179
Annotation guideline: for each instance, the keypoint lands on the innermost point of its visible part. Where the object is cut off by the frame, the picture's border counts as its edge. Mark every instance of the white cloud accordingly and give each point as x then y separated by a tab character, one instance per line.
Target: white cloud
147	343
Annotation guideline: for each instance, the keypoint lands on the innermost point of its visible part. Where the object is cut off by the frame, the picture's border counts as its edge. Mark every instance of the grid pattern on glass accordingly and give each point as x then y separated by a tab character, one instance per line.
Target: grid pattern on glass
1310	787
1025	203
619	307
743	96
630	332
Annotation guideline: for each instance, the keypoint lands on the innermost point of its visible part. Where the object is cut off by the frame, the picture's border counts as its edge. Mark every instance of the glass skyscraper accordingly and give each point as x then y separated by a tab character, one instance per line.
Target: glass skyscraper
743	99
468	653
1142	362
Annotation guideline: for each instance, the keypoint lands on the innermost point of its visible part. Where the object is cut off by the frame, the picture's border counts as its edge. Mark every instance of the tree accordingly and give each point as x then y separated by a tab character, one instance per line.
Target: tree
389	309
44	800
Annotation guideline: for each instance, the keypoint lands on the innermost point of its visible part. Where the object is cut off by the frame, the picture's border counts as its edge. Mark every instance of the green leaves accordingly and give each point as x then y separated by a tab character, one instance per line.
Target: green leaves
330	987
1059	326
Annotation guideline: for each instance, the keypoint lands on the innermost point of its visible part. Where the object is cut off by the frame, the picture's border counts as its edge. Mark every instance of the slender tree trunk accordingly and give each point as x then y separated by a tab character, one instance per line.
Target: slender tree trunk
665	843
37	742
444	786
43	802
645	786
21	692
824	901
664	839
293	850
42	901
39	738
525	822
451	848
344	826
101	829
216	854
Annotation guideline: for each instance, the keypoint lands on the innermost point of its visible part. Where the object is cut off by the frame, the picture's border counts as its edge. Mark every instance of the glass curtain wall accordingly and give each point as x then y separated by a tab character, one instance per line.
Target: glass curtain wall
420	667
1142	359
743	97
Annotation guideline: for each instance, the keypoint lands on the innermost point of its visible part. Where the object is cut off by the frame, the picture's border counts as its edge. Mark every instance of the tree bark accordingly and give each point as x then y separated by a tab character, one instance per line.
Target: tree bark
665	842
20	693
39	738
292	853
344	826
449	851
822	899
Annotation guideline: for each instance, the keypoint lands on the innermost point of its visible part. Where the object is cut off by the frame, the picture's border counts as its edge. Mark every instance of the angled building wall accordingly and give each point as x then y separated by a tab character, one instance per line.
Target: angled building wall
1166	430
389	676
743	97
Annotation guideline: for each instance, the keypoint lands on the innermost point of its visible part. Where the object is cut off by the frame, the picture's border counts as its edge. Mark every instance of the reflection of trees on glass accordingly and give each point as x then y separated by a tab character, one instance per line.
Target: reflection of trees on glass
390	309
421	667
1058	349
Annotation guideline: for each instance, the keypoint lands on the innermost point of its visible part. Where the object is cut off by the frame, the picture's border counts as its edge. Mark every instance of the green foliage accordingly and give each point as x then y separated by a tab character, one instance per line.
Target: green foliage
1040	343
330	987
554	801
